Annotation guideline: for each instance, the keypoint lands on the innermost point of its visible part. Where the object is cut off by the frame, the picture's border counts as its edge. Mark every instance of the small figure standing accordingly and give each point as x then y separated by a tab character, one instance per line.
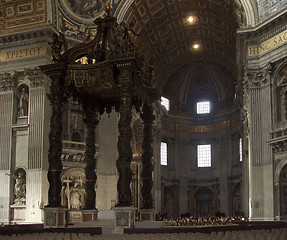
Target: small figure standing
23	103
76	199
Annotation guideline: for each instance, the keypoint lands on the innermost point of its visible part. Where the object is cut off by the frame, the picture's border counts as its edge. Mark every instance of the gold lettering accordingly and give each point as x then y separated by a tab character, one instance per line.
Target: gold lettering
22	53
32	51
252	51
8	55
268	45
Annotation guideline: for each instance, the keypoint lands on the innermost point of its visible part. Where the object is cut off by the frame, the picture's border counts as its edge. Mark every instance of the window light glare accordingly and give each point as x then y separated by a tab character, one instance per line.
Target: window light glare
165	103
204	155
190	19
240	150
195	46
203	107
163	154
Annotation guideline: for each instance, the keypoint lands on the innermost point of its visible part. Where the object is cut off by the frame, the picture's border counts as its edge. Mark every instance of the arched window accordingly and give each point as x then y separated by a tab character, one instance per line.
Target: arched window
76	137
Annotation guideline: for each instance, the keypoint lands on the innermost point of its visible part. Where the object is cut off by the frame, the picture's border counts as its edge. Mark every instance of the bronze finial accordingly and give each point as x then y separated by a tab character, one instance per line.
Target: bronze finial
108	9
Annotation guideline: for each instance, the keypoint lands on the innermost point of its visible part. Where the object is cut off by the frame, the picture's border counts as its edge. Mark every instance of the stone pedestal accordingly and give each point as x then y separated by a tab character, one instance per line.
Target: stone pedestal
147	214
90	215
75	216
54	217
125	216
18	212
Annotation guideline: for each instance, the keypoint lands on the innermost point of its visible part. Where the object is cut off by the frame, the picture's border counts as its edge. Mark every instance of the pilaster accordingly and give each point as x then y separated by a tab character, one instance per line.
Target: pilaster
260	158
7	100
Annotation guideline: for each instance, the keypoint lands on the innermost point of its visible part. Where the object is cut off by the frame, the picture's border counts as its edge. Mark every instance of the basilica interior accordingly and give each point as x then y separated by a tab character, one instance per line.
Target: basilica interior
142	109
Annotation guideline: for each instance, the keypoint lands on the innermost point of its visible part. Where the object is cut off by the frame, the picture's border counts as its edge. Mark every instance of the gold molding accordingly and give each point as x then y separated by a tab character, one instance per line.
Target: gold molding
201	128
18	14
268	45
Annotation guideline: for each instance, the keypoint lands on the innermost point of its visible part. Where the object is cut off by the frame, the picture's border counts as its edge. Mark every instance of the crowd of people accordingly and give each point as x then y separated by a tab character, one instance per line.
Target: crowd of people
211	221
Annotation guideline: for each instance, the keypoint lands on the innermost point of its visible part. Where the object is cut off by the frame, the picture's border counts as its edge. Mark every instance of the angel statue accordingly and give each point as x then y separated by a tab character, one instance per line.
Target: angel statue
58	45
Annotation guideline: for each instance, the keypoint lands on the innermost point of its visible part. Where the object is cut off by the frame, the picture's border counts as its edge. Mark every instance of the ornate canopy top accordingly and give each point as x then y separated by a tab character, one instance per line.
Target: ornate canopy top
95	69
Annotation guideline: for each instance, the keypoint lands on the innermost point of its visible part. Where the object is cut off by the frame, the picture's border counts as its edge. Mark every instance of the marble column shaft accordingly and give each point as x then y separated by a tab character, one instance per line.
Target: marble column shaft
124	140
55	150
91	122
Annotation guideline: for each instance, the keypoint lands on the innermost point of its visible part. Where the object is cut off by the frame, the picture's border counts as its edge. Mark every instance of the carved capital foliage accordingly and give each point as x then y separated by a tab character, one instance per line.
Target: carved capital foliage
8	81
36	77
257	78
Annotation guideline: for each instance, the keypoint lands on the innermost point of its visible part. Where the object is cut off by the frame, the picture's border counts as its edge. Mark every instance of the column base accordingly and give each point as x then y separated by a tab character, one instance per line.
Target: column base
147	214
125	216
54	217
90	215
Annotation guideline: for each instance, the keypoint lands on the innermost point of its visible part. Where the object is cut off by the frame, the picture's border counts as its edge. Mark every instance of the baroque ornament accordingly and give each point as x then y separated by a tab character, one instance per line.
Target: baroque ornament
103	73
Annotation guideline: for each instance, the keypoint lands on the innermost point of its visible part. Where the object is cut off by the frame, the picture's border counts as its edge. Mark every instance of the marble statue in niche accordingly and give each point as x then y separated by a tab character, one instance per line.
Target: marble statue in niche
19	186
73	191
23	101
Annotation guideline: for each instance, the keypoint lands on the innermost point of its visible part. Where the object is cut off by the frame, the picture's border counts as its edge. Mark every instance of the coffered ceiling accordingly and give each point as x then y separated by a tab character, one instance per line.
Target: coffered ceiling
185	74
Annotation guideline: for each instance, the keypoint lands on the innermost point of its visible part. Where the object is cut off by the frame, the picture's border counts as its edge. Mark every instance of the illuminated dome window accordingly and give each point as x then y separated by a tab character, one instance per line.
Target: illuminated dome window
203	107
165	103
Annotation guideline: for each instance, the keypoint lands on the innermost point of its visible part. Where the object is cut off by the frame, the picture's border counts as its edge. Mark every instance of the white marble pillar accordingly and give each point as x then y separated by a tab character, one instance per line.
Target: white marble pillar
38	144
260	159
6	118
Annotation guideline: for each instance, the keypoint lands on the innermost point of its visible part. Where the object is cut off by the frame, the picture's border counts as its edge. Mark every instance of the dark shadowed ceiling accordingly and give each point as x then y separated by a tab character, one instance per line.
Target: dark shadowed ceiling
184	74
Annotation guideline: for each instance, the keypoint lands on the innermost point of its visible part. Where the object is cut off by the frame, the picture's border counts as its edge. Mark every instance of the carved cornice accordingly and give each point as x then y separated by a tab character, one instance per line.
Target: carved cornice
28	37
278	140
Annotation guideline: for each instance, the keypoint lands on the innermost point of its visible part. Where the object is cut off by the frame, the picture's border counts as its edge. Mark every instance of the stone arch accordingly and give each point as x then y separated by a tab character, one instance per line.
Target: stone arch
73	188
280	93
283	192
204	198
278	170
169	209
236	202
23	100
19	183
249	7
76	137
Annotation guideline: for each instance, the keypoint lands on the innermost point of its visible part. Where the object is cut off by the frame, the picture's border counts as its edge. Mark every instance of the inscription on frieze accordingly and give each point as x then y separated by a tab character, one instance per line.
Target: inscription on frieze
23	52
268	45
